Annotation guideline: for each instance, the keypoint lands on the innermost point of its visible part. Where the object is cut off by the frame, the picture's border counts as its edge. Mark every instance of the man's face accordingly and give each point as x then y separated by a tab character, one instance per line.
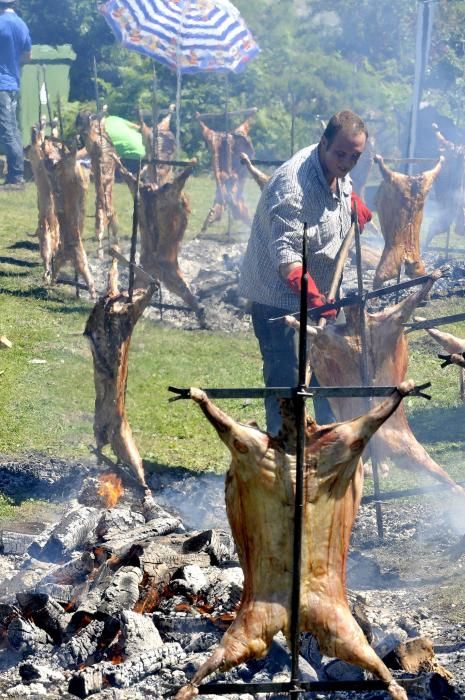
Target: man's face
342	155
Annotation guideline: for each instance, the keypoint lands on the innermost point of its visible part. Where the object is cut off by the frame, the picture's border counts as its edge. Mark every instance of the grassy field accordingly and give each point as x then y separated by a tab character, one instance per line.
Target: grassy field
46	380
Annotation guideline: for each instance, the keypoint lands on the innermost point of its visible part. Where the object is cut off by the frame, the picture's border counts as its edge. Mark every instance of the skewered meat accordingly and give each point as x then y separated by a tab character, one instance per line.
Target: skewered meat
335	358
166	149
449	190
399	202
69	182
456	347
260	495
163	220
109	329
229	172
258	175
48	229
100	150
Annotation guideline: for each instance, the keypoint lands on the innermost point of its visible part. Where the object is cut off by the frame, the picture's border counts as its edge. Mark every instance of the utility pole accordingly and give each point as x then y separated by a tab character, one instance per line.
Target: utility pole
425	17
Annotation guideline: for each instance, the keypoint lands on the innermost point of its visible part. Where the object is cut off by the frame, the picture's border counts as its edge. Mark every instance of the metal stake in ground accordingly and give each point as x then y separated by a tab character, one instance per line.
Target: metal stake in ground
135	223
366	378
299	410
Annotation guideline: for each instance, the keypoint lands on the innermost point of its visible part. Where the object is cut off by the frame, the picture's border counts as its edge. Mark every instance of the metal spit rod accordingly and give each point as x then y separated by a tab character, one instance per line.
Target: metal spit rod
366	375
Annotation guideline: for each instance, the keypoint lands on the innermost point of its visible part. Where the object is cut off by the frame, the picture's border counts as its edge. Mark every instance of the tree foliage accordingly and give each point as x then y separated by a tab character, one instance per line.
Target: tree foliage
315	59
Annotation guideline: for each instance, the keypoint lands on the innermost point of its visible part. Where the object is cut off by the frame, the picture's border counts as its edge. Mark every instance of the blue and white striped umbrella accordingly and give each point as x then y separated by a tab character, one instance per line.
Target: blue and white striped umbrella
189	36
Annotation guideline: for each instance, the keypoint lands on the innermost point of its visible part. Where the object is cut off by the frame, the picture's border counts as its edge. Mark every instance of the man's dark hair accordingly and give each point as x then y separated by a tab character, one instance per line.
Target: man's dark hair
344	121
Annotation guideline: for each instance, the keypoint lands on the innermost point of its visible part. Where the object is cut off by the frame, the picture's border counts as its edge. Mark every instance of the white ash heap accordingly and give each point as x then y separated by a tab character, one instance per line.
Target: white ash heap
124	602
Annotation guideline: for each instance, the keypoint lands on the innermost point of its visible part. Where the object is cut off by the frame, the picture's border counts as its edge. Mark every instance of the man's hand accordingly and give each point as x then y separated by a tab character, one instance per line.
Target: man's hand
364	215
314	298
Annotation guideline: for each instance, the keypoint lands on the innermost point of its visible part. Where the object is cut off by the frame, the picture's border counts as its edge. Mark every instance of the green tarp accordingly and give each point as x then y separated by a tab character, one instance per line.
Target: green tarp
49	66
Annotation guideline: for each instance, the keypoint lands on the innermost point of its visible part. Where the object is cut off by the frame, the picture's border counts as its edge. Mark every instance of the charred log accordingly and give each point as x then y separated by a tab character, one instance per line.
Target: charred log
69	534
15	542
399	202
45	612
94	678
26	638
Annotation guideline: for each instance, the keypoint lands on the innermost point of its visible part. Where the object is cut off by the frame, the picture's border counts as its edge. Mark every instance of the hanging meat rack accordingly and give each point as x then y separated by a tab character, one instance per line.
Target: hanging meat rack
294	687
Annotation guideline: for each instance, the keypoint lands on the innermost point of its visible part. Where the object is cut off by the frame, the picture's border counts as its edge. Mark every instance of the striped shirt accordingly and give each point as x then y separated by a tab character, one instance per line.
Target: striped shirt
296	193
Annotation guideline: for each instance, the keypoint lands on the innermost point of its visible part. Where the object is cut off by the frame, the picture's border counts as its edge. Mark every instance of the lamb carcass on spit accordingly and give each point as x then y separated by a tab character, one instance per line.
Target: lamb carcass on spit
165	149
109	329
260	493
229	172
449	190
69	183
163	213
100	150
335	357
399	202
453	345
48	228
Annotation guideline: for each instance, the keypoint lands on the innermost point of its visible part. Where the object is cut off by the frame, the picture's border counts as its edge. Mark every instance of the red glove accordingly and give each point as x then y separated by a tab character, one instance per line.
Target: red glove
314	298
363	213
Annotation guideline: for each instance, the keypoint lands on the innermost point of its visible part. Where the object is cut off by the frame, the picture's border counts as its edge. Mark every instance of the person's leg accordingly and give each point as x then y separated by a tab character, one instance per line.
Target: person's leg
10	137
321	406
279	349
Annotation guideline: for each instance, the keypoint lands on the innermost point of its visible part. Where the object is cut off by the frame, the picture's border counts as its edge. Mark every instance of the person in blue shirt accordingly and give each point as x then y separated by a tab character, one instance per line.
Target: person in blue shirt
15	49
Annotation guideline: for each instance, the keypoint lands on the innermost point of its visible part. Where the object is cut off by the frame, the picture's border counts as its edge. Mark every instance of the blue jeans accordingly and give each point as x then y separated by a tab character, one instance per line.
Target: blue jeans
10	136
279	347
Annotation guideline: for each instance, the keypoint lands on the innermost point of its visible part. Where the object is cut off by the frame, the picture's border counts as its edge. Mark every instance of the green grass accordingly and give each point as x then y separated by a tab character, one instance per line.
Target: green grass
48	407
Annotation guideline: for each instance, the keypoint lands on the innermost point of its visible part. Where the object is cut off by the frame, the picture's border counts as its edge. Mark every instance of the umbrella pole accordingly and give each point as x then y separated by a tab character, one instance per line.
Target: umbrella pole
154	122
226	129
178	112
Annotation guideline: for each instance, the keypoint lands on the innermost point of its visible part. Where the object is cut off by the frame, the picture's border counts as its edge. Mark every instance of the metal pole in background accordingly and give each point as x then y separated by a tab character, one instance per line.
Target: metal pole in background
155	112
423	41
97	96
135	224
299	410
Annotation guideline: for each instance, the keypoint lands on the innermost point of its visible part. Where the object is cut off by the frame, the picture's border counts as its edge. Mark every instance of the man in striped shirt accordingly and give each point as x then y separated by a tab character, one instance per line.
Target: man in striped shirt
313	187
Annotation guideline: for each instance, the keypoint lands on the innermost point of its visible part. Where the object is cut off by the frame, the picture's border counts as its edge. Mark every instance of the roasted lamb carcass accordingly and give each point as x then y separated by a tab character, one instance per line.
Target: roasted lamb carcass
449	190
400	200
456	347
260	492
335	357
226	150
48	229
100	150
69	182
163	215
109	329
258	175
165	150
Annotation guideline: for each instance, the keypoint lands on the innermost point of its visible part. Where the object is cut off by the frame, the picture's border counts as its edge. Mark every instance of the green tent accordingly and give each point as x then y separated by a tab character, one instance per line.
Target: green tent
48	71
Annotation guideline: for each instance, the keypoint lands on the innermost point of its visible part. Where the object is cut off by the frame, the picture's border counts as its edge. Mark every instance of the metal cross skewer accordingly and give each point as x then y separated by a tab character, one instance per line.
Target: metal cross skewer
294	688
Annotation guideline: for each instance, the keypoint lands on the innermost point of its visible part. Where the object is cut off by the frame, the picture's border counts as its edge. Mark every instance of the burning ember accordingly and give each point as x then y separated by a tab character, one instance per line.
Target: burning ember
110	489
